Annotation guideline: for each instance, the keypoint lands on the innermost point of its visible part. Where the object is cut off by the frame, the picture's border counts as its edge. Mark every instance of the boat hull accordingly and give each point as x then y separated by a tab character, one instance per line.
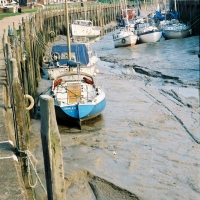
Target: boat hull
176	34
129	40
80	112
154	36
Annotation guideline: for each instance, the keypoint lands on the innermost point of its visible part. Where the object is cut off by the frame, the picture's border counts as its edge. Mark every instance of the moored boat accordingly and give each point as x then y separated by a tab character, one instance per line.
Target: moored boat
80	53
124	38
173	29
147	33
176	31
77	97
84	28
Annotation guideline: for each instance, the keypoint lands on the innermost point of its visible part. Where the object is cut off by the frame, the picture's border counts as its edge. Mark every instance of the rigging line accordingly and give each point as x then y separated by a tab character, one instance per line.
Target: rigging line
78	95
196	17
45	90
194	23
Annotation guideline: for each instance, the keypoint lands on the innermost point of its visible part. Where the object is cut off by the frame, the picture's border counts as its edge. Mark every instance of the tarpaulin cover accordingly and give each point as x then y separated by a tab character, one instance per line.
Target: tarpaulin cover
79	49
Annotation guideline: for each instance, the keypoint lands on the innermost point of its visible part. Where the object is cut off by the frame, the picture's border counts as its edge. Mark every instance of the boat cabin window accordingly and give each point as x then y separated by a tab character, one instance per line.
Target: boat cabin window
84	23
141	25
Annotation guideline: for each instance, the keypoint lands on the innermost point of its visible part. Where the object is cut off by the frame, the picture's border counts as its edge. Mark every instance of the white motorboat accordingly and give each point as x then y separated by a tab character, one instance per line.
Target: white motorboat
84	28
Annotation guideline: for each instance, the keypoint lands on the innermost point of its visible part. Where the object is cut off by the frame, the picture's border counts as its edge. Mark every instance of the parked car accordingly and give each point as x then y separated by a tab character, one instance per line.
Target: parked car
30	3
9	5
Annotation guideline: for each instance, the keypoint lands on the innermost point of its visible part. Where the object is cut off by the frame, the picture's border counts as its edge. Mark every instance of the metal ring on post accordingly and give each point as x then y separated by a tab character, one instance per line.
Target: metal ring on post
45	59
30	98
52	34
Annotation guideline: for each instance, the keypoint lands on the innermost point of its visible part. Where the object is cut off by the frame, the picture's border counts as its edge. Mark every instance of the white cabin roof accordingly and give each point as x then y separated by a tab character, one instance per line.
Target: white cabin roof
83	22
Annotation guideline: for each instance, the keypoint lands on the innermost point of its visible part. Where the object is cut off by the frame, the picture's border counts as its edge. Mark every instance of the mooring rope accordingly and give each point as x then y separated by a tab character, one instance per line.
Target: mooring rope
194	23
29	155
29	170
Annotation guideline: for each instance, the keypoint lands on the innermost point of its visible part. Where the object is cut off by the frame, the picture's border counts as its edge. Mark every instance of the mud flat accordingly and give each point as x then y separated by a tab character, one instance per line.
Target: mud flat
146	143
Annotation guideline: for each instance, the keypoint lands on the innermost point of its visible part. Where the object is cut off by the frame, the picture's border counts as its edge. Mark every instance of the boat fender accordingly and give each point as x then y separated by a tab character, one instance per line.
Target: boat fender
52	34
57	82
88	80
55	56
123	41
30	98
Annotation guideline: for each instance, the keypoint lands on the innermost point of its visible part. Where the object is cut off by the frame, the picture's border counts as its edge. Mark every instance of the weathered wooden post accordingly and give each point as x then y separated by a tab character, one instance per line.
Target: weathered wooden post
52	150
20	119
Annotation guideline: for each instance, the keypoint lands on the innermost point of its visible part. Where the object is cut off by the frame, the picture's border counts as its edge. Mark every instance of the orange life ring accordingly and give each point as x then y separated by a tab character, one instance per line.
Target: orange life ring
88	80
57	82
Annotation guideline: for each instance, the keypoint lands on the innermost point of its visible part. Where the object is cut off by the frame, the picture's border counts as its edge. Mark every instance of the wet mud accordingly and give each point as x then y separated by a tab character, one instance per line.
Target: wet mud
146	143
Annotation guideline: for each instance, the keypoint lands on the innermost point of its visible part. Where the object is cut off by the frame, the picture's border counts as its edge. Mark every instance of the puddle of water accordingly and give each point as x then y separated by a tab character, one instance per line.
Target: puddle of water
189	92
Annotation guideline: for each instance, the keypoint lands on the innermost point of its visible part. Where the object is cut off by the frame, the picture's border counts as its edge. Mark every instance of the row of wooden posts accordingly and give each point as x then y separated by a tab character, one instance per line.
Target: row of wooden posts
24	49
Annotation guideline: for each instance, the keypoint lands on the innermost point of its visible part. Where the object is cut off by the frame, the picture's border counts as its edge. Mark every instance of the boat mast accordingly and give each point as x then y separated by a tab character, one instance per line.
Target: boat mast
121	8
152	7
126	13
146	12
137	8
67	26
175	5
165	3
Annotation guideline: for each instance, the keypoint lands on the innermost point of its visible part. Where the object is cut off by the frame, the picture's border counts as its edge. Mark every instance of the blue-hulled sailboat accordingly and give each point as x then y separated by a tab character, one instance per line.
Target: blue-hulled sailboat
77	97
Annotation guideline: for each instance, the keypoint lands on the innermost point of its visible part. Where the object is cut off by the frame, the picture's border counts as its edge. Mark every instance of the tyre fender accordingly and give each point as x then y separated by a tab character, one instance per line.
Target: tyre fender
123	41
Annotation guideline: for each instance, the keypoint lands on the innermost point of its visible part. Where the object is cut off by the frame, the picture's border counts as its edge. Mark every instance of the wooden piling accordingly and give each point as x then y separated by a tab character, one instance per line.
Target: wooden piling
52	150
20	117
